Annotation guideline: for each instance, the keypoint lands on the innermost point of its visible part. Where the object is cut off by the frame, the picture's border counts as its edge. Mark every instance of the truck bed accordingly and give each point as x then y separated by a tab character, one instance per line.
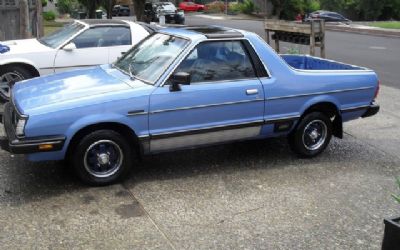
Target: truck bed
304	62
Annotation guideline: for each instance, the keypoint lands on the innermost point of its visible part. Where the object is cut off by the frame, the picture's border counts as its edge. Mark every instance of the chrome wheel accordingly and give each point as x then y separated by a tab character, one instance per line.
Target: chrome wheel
314	134
103	158
5	81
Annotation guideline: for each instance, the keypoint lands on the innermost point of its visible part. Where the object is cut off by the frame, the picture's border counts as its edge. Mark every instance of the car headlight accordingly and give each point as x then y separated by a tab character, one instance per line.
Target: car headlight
20	127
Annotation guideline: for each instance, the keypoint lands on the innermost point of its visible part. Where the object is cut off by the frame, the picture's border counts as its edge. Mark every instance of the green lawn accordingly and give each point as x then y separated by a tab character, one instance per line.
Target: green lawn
386	25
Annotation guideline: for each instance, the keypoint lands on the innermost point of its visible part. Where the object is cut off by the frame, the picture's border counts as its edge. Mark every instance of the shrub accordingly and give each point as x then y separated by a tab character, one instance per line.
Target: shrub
234	7
247	7
66	6
49	16
215	7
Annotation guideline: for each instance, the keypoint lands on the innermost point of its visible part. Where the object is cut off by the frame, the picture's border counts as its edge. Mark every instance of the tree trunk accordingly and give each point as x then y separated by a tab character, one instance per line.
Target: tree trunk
39	16
109	6
91	9
139	9
24	19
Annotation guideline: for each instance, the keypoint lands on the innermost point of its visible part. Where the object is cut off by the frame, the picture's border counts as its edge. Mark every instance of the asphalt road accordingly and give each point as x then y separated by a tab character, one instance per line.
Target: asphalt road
249	195
381	54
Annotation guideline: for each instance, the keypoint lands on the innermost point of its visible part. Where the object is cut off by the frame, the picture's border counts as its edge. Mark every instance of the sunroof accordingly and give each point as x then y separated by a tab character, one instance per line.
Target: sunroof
215	31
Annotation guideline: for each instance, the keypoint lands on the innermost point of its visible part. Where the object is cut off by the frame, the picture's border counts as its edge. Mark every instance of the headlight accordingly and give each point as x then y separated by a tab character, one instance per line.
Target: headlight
20	127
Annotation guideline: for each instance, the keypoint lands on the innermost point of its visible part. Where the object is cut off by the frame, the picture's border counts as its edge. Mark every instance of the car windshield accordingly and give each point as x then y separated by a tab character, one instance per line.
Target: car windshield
149	59
58	37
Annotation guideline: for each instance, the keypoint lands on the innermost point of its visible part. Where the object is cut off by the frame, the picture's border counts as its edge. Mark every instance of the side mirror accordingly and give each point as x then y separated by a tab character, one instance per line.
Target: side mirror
178	79
69	47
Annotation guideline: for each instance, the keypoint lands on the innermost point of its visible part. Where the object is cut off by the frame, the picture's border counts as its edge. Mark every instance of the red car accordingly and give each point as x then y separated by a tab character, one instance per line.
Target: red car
191	6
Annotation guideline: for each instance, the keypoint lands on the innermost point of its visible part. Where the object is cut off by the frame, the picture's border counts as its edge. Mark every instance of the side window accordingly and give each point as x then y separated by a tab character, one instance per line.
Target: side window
218	61
103	37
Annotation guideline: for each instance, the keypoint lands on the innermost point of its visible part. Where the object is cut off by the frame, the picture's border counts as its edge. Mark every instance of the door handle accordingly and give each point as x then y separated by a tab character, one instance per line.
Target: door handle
252	91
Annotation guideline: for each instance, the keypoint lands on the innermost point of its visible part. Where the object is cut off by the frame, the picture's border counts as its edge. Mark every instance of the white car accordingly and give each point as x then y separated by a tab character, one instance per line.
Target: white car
81	43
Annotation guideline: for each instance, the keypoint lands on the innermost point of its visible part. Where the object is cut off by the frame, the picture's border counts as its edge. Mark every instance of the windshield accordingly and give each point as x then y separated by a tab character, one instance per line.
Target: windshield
58	37
148	60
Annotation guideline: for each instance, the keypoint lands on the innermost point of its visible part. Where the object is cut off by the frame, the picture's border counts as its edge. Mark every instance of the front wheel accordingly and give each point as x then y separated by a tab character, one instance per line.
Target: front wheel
312	135
8	76
102	157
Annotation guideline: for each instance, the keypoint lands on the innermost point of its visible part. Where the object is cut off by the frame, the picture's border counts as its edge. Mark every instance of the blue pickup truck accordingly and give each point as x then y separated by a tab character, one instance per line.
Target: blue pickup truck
183	88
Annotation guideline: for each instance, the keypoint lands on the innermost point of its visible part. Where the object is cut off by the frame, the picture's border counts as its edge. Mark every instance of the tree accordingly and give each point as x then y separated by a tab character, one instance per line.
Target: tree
91	6
65	6
138	5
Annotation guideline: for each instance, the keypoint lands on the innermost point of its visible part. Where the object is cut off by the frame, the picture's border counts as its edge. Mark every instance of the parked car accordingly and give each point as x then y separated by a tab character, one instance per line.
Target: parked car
328	16
153	11
183	88
121	10
82	43
191	6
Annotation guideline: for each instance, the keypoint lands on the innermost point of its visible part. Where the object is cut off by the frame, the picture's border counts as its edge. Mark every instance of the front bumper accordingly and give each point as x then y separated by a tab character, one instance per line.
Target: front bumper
373	109
11	143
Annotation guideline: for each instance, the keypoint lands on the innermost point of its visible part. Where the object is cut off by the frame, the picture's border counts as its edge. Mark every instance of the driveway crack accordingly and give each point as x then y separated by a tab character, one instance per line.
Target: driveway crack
150	218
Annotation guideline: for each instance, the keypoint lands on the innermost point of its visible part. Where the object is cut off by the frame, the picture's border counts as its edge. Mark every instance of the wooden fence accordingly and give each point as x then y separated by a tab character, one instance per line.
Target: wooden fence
311	33
18	19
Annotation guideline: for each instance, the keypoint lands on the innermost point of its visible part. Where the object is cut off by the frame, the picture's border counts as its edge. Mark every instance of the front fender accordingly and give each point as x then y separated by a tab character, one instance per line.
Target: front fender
93	120
19	61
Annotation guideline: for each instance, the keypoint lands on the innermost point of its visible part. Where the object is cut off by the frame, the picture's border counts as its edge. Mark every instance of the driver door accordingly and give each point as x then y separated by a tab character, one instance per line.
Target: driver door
92	48
224	100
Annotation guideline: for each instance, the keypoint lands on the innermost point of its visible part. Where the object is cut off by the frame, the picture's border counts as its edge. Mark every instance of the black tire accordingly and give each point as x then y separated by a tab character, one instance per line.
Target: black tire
312	135
17	72
89	167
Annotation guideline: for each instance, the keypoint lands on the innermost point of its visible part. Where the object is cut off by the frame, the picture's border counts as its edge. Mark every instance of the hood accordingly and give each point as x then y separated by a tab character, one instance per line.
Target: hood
24	46
65	87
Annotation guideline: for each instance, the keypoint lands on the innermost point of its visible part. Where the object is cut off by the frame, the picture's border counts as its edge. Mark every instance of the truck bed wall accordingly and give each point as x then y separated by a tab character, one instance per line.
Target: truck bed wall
313	63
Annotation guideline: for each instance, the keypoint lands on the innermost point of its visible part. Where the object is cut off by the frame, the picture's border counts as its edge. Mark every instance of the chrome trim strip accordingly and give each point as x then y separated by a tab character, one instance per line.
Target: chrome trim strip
224	81
318	93
280	119
136	112
205	106
356	108
202	139
73	66
206	129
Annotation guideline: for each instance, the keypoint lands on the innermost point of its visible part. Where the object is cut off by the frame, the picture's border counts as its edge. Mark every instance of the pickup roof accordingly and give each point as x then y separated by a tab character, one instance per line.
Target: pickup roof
182	88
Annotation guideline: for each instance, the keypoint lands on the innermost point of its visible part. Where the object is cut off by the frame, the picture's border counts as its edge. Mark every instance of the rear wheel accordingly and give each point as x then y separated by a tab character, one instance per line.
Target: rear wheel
102	157
8	76
312	135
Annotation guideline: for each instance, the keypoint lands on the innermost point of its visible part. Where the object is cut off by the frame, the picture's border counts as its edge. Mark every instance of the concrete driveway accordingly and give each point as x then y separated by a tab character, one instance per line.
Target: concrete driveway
251	195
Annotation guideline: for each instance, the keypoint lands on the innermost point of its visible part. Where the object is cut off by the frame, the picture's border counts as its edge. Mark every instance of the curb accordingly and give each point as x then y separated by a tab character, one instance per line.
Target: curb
371	32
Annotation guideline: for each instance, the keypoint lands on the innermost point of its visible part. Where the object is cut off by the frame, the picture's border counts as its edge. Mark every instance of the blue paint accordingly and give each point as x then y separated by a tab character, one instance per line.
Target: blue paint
63	104
4	49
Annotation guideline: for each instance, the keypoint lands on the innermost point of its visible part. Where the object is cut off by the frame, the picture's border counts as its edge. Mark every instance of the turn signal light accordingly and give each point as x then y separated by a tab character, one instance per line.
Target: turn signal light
45	147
